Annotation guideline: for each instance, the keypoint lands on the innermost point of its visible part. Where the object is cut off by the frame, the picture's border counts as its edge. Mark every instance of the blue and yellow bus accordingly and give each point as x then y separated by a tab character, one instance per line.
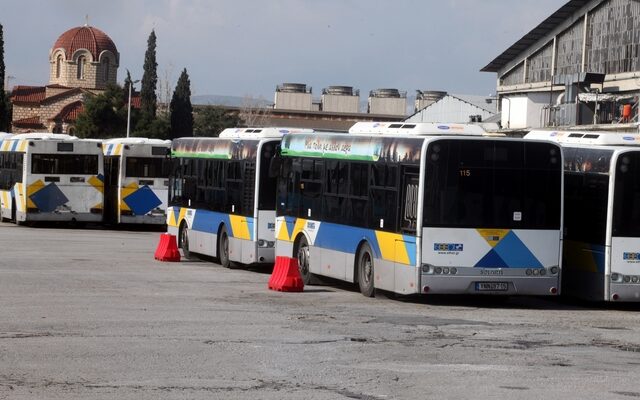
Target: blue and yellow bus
222	194
422	208
136	180
602	217
50	177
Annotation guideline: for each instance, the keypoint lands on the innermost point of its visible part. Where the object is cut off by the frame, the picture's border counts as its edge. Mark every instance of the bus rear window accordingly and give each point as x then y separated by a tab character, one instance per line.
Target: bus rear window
147	167
493	184
64	164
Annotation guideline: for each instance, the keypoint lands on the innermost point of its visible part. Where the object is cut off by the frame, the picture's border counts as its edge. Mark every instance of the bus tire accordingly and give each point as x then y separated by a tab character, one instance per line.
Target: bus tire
223	248
365	269
301	253
183	240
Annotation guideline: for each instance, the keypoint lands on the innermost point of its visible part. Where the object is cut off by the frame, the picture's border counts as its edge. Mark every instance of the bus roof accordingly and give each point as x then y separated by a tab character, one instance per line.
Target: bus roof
417	129
138	140
259	133
587	137
43	136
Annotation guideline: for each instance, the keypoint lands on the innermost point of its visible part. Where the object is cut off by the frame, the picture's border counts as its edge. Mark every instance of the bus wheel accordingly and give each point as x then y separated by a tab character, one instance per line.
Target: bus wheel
302	254
183	241
364	263
223	248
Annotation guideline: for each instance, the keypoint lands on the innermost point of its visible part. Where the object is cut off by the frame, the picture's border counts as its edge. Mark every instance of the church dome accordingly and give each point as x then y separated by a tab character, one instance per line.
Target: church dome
85	37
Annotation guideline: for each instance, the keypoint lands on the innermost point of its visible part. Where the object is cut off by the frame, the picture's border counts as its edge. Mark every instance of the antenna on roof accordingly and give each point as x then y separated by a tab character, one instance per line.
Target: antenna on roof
86	18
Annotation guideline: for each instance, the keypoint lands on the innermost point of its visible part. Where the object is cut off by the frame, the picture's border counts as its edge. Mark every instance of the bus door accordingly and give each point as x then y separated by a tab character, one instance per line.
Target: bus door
405	244
111	188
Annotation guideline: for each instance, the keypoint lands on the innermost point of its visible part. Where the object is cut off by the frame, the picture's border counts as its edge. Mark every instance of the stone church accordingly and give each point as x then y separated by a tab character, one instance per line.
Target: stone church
82	62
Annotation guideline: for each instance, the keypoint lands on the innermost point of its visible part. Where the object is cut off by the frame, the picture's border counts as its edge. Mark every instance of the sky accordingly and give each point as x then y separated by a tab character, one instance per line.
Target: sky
247	47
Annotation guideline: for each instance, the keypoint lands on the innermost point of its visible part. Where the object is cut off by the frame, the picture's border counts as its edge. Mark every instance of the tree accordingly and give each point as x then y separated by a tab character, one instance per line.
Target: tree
148	98
158	128
104	115
254	112
5	116
210	121
181	109
125	88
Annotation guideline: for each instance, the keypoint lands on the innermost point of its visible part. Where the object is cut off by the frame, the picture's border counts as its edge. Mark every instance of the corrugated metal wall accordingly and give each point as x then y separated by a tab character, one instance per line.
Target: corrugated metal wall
514	77
539	65
569	52
613	37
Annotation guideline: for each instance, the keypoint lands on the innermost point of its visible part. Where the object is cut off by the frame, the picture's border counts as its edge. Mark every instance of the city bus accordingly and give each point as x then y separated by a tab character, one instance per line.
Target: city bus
222	195
50	177
136	180
422	208
602	214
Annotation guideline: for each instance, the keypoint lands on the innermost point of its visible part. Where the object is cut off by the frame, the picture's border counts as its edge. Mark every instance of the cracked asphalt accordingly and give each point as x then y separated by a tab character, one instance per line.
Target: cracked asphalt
89	314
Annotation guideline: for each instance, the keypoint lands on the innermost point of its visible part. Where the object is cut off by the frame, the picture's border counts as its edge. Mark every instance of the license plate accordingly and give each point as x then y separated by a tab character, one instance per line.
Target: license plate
492	286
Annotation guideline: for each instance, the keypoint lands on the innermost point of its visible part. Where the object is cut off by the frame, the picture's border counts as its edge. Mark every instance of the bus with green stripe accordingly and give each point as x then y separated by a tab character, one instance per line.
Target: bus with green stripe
50	177
601	248
222	194
422	208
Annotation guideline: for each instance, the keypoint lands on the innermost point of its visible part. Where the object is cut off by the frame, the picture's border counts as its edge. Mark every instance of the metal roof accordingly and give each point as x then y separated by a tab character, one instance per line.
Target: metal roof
536	34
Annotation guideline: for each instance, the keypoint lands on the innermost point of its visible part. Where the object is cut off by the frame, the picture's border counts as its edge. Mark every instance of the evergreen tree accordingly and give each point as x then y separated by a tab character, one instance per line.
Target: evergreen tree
104	115
148	98
181	109
127	82
5	116
210	121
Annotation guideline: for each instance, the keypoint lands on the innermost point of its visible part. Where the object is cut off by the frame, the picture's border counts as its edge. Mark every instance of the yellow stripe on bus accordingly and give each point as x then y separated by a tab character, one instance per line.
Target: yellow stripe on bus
126	191
183	212
96	183
297	228
240	227
21	198
31	189
392	247
283	233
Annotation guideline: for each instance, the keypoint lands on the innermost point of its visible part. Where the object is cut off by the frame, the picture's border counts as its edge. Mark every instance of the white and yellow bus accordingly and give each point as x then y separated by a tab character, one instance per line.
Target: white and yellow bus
50	177
422	208
136	180
601	248
222	194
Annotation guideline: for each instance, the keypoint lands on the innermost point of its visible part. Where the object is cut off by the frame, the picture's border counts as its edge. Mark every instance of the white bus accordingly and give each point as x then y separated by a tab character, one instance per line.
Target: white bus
136	180
222	195
602	214
422	208
50	177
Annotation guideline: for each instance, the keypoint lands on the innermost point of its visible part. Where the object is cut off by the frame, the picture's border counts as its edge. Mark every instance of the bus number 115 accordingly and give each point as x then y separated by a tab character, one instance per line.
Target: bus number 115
465	172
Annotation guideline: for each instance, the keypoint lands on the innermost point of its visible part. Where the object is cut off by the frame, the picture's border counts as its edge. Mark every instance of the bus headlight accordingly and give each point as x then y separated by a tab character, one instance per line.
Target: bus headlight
266	243
427	269
615	277
554	270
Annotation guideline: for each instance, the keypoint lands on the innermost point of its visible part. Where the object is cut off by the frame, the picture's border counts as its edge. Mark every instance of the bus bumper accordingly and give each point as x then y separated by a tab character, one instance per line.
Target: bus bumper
490	285
143	219
62	217
622	292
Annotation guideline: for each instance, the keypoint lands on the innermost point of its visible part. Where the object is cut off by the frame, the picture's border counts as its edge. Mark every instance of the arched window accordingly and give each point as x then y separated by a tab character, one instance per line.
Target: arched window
106	69
58	65
82	60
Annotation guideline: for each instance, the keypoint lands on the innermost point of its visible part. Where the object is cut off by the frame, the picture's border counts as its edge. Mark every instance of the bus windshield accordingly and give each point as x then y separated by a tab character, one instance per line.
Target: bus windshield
492	184
626	200
64	164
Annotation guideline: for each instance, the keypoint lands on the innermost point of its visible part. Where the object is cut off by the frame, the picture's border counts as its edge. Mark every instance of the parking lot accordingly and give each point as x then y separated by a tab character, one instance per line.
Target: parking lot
89	314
